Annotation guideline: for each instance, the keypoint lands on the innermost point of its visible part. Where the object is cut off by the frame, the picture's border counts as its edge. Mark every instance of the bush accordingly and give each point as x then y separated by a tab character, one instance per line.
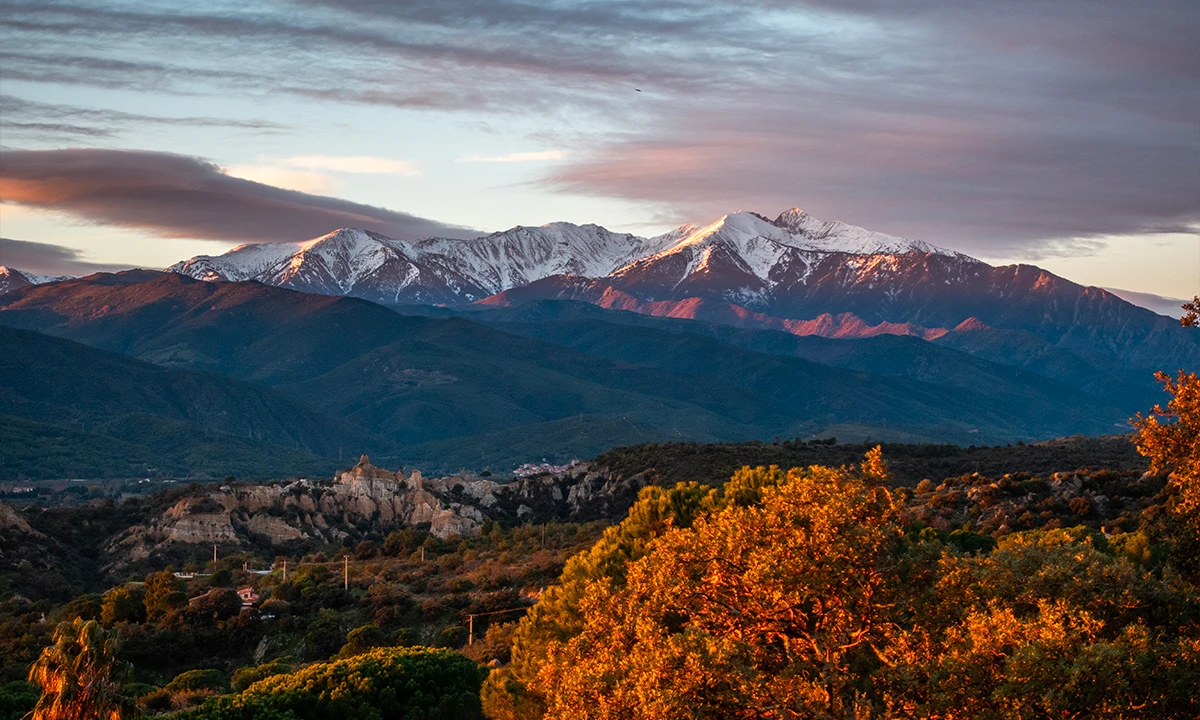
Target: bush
399	683
244	677
197	680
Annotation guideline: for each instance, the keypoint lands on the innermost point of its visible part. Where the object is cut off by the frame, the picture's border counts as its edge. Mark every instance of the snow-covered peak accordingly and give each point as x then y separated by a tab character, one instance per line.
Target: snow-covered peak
12	278
358	262
244	262
841	237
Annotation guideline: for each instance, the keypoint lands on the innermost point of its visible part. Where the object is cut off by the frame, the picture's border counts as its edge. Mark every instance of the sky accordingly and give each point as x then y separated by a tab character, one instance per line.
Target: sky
1063	133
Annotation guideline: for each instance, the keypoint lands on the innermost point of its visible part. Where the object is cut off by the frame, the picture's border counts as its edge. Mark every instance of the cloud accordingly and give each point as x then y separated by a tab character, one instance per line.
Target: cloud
987	131
518	157
30	118
48	259
184	197
355	164
301	180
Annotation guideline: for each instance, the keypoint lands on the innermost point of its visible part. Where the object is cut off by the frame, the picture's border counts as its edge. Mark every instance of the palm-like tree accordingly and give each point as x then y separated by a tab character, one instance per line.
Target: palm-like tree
80	676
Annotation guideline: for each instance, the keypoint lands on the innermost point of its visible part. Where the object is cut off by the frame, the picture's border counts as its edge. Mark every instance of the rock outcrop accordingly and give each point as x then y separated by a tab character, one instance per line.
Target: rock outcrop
11	522
366	499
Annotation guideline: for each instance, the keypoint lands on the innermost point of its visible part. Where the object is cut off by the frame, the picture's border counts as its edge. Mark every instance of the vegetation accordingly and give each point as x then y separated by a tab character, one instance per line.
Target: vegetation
80	677
400	683
812	593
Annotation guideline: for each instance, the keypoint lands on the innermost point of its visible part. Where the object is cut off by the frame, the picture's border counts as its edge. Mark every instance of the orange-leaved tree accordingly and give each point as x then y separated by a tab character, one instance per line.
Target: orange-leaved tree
765	608
80	675
1170	437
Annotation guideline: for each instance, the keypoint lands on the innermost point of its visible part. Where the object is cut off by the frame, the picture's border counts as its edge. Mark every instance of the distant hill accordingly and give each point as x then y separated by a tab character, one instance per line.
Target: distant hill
69	410
451	392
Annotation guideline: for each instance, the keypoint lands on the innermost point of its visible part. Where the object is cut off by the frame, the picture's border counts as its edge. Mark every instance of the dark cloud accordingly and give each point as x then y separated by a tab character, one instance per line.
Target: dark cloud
184	197
976	124
48	259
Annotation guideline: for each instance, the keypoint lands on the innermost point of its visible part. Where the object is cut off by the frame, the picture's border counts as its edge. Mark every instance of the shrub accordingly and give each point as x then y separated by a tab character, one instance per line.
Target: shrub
394	683
197	680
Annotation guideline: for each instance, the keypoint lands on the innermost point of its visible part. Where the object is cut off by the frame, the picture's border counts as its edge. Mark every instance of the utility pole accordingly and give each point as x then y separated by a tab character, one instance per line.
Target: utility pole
422	553
214	553
285	570
346	571
470	629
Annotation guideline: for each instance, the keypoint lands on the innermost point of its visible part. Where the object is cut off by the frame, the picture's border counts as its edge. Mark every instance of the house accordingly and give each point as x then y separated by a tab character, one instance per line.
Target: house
248	596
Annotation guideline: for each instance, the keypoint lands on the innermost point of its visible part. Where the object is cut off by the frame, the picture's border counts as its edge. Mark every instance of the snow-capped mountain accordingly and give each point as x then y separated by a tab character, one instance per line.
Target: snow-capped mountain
744	255
14	279
743	269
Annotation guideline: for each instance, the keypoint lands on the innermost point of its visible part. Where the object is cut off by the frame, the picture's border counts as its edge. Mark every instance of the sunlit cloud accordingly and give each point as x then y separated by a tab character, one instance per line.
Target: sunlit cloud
307	181
519	157
176	196
360	164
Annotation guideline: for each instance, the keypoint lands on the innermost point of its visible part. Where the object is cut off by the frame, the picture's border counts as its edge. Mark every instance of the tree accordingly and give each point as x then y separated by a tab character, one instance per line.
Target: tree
123	604
80	676
513	691
760	610
164	593
1170	438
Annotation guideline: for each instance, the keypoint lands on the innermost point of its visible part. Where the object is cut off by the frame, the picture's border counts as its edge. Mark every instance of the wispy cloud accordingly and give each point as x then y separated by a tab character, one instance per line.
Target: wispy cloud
518	157
176	196
24	117
939	119
363	164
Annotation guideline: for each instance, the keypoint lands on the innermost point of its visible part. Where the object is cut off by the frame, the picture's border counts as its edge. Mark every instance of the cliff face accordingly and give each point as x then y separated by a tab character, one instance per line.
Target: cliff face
368	499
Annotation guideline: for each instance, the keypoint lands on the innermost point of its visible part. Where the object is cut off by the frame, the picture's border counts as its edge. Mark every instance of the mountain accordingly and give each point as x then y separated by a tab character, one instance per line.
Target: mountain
14	279
374	267
437	270
70	410
451	391
795	273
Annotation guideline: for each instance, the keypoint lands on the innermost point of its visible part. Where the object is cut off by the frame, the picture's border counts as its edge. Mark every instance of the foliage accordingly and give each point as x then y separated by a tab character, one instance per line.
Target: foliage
123	604
361	639
807	594
197	680
80	676
1171	439
401	683
512	691
163	593
244	677
17	699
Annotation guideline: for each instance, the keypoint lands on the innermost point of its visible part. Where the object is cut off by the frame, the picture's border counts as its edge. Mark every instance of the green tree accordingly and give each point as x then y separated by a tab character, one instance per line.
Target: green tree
361	639
80	677
123	604
163	593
